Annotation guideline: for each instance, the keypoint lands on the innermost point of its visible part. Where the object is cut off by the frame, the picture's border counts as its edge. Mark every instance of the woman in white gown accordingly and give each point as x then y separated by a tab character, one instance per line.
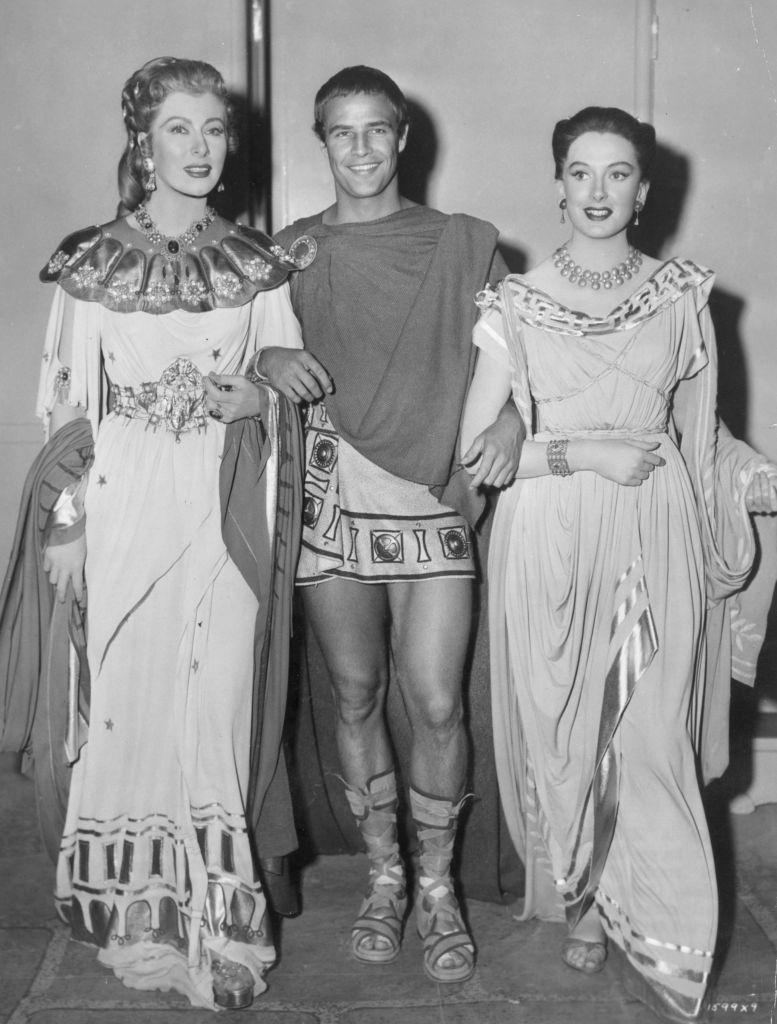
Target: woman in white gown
611	560
156	865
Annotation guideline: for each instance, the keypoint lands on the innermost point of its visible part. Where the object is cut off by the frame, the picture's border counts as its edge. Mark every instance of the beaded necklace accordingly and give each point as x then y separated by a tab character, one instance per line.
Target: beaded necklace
611	278
171	245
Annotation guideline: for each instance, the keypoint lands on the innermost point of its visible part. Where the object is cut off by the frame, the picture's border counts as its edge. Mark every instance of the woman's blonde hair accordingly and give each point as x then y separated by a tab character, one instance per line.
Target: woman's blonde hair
141	97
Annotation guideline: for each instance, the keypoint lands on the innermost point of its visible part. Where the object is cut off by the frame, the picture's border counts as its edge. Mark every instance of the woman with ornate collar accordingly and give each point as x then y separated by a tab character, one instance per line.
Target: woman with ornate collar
152	312
613	561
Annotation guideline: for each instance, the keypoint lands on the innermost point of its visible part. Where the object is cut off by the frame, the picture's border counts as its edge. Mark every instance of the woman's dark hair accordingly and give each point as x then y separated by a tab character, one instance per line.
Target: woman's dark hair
359	79
640	134
141	97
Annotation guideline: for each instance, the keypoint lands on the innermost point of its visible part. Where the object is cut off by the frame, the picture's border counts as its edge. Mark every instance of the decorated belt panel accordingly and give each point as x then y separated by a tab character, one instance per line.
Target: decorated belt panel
175	402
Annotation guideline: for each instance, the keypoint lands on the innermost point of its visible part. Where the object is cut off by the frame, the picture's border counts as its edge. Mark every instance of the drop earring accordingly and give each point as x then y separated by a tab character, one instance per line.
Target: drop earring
220	186
637	210
149	183
562	205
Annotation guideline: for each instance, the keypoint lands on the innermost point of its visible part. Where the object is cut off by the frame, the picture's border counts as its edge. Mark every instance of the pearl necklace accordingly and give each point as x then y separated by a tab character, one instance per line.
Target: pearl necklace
611	278
171	245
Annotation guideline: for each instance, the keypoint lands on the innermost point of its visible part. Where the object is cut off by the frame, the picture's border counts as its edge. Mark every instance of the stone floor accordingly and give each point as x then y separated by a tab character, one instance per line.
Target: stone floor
47	979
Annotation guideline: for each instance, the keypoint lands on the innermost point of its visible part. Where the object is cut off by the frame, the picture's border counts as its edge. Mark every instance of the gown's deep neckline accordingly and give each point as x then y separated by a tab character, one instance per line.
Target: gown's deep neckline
663	286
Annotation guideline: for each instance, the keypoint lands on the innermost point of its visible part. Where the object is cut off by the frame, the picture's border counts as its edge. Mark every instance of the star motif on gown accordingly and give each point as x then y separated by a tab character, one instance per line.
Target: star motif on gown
195	665
215	354
112	357
101	481
109	725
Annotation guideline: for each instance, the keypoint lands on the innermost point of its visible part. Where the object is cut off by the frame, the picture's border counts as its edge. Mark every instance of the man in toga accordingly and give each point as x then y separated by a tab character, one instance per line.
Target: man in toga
387	563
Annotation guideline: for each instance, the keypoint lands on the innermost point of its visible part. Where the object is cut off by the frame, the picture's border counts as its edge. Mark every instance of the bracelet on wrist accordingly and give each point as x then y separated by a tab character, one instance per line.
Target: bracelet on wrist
253	372
556	453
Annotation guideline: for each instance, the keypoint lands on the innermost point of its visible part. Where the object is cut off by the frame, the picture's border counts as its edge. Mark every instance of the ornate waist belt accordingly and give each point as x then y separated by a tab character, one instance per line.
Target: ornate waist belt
175	402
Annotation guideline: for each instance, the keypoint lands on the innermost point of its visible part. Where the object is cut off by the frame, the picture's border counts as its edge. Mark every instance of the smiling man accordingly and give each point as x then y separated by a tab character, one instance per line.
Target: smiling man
387	565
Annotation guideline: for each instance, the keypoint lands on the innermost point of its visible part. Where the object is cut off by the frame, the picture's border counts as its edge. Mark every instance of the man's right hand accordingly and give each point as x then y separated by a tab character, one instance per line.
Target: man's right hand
296	373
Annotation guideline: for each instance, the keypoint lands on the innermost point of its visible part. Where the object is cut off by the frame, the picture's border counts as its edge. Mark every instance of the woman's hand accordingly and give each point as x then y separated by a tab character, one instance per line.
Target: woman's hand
761	495
65	564
296	373
229	398
628	462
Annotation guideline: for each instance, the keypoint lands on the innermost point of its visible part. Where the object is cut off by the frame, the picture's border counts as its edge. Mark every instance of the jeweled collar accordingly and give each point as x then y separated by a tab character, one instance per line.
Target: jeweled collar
225	266
664	286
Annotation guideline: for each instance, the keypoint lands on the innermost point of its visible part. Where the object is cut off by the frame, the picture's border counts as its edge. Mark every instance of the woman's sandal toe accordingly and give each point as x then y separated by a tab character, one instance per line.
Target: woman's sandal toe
595	955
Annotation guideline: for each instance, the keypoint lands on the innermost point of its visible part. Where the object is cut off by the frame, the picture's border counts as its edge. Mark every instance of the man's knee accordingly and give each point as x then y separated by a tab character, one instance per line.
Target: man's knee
439	713
357	700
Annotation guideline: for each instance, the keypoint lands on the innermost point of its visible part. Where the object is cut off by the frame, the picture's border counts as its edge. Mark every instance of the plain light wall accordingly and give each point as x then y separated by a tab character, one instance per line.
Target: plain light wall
62	69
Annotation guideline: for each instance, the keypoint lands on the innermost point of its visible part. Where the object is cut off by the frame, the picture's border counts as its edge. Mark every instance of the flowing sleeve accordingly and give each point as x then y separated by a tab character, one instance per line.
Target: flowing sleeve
71	365
498	332
721	469
489	335
695	328
721	466
273	322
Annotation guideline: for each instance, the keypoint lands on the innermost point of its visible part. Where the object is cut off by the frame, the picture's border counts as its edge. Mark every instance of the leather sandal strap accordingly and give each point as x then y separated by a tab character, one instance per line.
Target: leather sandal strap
393	871
383	898
436	946
369	925
388	927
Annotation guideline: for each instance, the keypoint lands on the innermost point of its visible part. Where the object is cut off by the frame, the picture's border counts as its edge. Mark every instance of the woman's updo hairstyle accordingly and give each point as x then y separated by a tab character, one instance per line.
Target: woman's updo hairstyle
142	96
640	134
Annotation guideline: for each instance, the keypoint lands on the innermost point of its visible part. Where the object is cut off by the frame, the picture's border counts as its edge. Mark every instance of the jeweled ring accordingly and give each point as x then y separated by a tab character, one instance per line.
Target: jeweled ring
216	414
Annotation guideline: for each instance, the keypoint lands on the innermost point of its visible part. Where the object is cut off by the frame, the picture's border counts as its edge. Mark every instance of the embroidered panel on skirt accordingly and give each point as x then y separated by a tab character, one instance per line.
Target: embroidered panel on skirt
132	879
363	523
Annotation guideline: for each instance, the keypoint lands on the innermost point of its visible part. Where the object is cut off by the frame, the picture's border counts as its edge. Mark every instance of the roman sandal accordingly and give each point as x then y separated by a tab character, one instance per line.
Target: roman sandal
449	954
585	955
377	932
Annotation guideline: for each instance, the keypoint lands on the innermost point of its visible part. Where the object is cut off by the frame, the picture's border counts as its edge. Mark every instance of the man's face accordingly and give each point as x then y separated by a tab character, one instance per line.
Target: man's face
362	143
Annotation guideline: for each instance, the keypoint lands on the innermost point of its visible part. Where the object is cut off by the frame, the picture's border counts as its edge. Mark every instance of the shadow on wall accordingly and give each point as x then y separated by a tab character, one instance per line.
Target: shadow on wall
670	182
727	312
415	169
419	156
245	172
